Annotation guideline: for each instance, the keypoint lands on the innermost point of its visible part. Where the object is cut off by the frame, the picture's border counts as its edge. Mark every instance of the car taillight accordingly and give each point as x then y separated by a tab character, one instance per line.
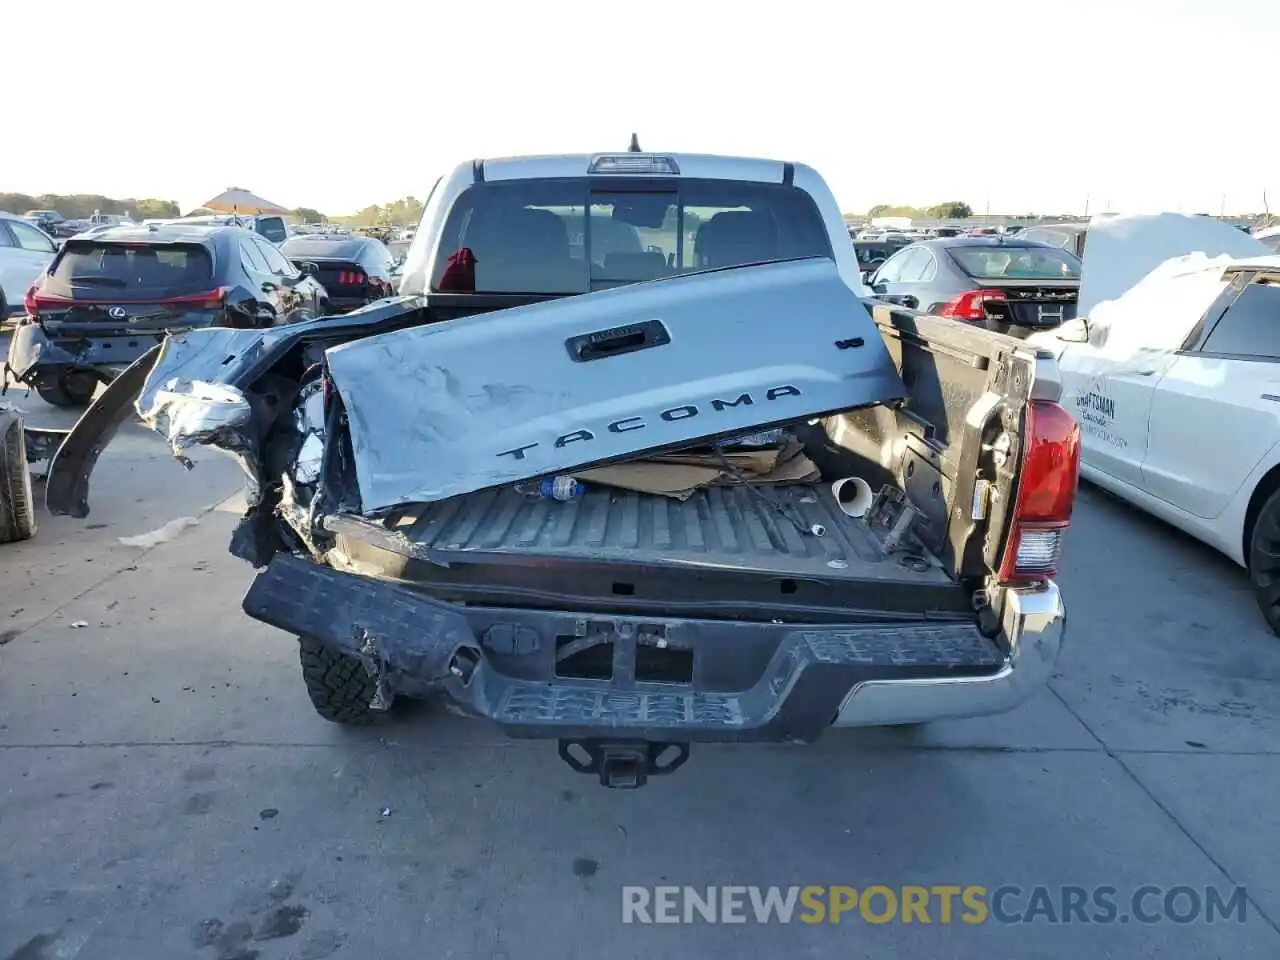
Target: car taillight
351	278
209	300
1046	493
971	305
37	298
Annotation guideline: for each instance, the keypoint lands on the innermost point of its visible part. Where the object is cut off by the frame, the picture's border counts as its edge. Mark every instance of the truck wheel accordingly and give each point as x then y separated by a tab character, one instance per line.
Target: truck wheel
339	686
73	388
17	506
1264	560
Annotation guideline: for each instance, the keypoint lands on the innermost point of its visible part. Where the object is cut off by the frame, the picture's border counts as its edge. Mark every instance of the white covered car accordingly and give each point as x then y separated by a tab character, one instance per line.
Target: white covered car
25	252
1173	370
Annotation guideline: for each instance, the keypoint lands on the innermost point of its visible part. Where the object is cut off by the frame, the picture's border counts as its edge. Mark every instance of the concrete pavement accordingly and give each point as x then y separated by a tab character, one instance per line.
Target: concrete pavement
167	792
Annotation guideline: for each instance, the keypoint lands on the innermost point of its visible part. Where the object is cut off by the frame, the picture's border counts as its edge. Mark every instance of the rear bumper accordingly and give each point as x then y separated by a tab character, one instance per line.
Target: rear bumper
720	680
1033	629
33	353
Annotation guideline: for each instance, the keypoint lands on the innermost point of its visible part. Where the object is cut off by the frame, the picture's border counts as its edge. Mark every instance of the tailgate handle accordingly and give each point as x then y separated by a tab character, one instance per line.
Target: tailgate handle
617	341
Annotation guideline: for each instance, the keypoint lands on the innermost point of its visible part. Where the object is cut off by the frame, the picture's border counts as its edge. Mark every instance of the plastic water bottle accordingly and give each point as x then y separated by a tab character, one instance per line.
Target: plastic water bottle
561	488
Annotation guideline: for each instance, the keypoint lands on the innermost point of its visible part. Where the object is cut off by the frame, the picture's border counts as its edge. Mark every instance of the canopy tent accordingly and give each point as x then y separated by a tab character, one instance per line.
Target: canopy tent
239	200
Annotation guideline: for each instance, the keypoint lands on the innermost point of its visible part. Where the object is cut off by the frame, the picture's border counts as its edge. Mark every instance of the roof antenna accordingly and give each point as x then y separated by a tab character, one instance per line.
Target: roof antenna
635	145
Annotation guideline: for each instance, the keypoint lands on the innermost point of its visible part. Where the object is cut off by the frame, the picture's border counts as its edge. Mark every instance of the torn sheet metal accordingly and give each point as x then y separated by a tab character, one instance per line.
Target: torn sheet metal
188	412
308	421
446	409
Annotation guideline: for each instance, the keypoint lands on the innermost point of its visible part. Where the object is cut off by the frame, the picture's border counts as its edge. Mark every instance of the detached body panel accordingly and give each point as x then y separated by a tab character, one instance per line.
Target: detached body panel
451	408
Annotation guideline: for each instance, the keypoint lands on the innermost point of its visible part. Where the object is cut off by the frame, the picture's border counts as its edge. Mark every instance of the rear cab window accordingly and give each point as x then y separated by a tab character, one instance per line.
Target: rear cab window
272	228
574	235
90	268
1008	262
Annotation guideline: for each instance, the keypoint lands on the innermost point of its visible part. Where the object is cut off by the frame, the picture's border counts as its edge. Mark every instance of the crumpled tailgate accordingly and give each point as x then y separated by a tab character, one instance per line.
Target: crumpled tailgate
447	409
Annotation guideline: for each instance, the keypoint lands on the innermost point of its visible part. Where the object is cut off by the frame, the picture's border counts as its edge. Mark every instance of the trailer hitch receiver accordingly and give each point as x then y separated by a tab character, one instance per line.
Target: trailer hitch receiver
623	764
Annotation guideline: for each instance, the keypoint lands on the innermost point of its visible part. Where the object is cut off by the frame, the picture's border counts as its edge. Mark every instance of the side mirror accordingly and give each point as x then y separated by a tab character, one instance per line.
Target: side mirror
880	288
1075	331
307	268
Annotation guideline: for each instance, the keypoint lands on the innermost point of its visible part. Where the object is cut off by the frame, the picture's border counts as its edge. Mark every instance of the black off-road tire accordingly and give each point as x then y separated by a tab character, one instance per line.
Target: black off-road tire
68	389
17	505
339	686
1264	560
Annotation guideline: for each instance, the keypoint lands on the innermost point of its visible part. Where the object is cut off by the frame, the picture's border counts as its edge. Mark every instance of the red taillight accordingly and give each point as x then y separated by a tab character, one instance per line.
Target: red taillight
37	298
1046	493
210	300
971	305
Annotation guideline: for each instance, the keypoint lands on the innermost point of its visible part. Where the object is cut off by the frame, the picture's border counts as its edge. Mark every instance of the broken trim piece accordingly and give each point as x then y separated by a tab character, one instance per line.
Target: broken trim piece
67	487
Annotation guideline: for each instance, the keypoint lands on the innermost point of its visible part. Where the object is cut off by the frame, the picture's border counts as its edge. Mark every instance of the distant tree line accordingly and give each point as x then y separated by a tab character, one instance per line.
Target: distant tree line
406	210
80	206
951	210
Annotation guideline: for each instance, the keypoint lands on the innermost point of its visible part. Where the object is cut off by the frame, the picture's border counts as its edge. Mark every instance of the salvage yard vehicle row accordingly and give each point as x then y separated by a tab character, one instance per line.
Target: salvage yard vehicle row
395	455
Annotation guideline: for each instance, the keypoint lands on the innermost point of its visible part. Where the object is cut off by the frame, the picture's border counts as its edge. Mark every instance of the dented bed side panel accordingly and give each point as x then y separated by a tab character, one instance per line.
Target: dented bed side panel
448	409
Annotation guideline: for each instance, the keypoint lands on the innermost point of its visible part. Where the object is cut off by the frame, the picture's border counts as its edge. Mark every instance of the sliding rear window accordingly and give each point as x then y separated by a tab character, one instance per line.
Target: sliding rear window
1007	262
574	235
92	267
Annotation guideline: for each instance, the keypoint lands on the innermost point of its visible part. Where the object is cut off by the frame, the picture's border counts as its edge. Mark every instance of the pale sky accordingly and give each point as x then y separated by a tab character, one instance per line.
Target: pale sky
1031	105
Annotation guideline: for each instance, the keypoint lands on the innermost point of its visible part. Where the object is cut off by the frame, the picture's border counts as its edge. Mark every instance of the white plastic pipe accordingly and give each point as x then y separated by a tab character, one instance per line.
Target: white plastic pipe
853	495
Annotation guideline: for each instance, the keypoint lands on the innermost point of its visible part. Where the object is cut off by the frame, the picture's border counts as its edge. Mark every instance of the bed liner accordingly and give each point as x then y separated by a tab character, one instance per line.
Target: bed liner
717	528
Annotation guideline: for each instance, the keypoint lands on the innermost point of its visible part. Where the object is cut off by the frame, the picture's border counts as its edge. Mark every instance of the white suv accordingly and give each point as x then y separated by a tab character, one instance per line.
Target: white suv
25	252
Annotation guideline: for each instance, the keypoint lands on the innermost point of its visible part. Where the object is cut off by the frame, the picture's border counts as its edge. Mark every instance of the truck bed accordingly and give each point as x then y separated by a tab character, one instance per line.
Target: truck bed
716	529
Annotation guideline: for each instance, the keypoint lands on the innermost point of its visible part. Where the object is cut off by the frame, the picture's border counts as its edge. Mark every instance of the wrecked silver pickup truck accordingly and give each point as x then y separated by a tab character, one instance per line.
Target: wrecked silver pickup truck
683	592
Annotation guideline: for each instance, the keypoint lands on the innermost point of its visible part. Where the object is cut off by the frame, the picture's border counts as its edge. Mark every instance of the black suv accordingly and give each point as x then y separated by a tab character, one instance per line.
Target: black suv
354	270
107	298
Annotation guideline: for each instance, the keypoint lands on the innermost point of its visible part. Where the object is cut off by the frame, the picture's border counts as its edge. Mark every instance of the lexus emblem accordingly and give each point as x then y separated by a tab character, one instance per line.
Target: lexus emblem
117	313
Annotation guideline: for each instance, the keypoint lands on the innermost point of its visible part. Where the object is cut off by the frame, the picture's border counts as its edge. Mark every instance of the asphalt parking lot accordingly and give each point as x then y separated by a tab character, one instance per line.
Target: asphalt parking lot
166	790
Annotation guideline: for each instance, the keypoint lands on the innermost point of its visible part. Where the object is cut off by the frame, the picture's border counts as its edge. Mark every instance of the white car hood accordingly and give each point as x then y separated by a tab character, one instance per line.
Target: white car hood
1158	274
1122	249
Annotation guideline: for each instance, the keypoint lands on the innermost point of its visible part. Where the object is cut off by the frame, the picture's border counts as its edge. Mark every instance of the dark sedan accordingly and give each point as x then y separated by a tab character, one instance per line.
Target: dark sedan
1010	286
354	270
107	298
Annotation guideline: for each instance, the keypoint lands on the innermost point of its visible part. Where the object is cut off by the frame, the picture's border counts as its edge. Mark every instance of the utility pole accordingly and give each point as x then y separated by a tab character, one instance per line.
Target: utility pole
1222	208
1087	198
